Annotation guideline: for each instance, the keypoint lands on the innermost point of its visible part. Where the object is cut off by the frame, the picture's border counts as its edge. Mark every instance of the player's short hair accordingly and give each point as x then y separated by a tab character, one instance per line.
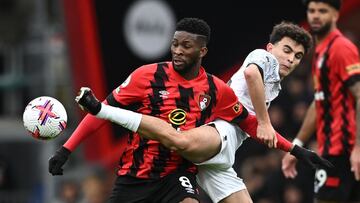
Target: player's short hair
293	31
334	3
194	26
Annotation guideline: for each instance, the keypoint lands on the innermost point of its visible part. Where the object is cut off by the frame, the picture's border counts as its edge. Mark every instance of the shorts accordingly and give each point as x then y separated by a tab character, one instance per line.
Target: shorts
231	137
170	189
338	183
219	183
216	175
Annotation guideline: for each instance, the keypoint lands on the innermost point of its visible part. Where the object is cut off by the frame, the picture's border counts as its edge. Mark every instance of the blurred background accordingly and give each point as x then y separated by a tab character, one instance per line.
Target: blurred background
53	47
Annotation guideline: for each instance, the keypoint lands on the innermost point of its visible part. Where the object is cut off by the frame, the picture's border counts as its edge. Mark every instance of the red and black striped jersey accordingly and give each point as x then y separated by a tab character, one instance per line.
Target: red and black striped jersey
158	90
336	66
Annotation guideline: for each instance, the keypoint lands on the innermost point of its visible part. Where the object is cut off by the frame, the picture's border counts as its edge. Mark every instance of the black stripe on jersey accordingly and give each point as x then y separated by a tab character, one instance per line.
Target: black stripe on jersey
120	131
138	157
185	95
157	85
212	93
326	104
159	162
345	125
132	107
183	103
156	101
352	80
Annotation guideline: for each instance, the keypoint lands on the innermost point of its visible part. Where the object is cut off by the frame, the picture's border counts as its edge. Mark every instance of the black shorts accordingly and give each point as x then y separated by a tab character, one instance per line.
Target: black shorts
169	189
338	183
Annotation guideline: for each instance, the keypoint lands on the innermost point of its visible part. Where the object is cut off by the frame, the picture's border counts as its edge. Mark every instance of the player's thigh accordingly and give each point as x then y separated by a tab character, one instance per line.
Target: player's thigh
204	143
242	196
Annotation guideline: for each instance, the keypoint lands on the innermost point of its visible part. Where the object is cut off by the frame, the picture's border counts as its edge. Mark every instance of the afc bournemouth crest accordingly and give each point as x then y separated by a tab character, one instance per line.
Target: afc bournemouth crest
204	101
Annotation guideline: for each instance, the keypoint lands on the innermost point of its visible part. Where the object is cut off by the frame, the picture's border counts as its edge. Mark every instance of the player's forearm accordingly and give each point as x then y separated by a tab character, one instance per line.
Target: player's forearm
308	126
249	125
256	90
357	142
355	90
86	128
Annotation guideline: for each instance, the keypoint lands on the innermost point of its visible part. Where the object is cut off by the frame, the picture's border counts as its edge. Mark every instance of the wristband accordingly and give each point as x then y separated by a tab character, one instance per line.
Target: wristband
298	142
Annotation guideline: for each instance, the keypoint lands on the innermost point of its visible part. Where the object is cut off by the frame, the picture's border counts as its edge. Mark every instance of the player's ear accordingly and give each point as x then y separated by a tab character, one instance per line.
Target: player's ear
203	51
269	47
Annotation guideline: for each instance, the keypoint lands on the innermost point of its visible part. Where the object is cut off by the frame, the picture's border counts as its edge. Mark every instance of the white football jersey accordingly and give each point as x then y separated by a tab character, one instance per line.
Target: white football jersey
270	67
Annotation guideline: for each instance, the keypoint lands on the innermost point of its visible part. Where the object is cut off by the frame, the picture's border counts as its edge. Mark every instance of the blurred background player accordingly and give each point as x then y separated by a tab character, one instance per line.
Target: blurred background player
335	110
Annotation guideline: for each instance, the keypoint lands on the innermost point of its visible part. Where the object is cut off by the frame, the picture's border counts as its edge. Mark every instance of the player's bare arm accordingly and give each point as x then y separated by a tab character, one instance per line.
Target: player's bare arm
254	80
307	129
355	154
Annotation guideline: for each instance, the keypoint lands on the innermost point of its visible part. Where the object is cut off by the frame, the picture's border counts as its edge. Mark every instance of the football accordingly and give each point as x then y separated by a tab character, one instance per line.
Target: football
44	118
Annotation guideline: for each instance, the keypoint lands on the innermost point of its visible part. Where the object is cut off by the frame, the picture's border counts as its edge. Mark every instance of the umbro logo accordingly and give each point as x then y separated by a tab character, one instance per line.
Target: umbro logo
164	94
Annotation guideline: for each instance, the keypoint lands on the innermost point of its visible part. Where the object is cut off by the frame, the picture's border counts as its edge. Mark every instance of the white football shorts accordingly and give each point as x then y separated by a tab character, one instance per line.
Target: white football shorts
216	175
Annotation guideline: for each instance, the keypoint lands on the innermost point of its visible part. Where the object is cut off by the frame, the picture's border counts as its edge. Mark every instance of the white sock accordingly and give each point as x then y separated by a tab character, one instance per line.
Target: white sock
128	119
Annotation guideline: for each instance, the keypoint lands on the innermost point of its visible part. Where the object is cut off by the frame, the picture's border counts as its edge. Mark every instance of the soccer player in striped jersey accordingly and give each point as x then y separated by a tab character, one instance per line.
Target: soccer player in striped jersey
335	111
212	147
181	88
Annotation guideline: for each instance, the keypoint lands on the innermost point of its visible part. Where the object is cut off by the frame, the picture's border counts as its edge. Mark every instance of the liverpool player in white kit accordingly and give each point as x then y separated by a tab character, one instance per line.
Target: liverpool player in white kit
212	147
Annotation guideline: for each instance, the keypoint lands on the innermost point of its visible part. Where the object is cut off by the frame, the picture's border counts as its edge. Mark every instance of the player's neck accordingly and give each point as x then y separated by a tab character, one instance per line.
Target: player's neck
320	38
192	73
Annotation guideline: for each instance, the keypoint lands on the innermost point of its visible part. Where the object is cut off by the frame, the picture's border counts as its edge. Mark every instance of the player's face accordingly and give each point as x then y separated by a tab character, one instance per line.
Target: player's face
288	53
321	17
187	51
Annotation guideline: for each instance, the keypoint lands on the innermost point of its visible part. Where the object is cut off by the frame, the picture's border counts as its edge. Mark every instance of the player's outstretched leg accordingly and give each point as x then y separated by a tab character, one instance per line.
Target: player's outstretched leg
87	101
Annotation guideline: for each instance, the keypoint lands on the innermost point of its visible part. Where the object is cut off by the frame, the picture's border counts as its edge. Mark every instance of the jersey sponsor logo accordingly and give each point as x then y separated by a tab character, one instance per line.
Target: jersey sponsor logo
204	101
237	108
177	117
354	68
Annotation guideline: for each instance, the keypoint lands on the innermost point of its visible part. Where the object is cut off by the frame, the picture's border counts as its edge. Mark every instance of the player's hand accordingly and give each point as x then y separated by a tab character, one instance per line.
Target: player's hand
87	101
267	135
355	162
288	166
310	158
57	161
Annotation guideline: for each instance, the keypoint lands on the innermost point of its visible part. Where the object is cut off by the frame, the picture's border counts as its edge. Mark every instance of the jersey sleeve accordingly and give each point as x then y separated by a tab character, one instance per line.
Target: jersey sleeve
266	62
228	107
132	89
346	61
